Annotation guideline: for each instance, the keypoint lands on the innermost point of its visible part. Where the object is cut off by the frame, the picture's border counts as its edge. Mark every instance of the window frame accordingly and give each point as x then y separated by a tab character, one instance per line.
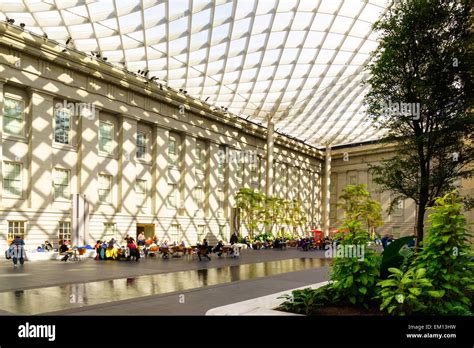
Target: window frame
179	233
173	157
60	229
356	180
100	188
397	211
221	201
198	197
200	154
12	234
202	234
172	193
67	112
4	178
112	137
143	202
68	186
23	115
142	149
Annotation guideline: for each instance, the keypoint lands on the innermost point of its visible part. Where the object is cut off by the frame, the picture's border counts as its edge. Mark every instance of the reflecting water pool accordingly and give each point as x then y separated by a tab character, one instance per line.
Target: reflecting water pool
55	298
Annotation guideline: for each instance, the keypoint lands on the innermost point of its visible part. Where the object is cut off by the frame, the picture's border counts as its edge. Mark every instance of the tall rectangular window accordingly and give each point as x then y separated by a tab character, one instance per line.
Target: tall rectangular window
13	116
239	164
16	228
64	231
105	188
12	183
201	233
198	197
253	172
221	160
173	150
175	233
141	192
200	155
141	145
396	232
222	231
106	137
109	231
62	126
61	184
353	180
172	196
220	197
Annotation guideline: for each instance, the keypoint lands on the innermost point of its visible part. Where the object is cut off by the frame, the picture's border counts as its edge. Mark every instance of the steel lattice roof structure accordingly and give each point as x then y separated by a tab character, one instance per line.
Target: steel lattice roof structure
300	62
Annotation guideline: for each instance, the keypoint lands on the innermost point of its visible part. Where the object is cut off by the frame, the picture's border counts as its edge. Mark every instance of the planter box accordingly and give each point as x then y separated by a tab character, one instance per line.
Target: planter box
264	305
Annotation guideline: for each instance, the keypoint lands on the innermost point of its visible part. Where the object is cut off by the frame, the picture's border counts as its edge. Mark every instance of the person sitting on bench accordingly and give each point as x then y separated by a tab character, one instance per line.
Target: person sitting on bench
203	250
218	248
63	249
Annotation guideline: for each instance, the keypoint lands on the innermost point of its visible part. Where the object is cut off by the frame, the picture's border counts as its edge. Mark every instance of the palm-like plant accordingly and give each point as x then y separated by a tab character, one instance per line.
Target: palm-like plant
251	206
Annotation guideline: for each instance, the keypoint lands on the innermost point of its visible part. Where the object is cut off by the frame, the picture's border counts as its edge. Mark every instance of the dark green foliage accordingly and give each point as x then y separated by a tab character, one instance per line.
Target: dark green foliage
447	257
353	280
424	56
307	301
391	256
405	293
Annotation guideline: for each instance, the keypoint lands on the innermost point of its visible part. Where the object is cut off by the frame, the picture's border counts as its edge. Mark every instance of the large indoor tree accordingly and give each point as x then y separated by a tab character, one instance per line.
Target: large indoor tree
421	76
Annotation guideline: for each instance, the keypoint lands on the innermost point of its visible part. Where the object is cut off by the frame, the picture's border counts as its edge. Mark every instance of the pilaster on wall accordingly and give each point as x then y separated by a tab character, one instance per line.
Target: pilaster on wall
160	170
269	172
40	150
214	181
326	195
188	180
87	158
2	82
127	170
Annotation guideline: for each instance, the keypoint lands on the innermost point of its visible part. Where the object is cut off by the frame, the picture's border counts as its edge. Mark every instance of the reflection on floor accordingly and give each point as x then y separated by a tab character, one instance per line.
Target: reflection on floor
55	298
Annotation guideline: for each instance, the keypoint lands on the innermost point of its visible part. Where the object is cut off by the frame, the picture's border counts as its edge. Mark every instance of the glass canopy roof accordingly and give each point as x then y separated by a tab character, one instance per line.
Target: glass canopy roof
300	62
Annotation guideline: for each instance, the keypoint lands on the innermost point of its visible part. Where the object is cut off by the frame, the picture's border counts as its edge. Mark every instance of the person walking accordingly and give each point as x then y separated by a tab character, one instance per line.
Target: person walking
17	251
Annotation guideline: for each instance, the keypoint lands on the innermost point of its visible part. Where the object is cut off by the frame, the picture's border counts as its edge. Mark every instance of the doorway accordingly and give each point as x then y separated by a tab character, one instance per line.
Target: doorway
147	229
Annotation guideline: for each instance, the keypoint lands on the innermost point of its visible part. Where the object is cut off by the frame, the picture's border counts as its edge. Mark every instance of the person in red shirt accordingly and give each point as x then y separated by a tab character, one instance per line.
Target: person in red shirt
134	252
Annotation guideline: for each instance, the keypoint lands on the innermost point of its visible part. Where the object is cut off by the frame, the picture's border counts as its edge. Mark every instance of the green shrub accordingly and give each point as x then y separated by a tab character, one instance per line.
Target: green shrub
307	301
405	293
446	257
354	280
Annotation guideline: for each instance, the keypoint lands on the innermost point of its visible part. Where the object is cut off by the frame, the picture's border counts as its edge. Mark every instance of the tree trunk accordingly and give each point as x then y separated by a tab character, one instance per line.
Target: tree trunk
420	221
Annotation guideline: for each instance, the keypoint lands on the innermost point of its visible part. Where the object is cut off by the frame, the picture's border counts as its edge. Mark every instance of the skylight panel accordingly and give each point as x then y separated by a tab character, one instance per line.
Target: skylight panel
261	24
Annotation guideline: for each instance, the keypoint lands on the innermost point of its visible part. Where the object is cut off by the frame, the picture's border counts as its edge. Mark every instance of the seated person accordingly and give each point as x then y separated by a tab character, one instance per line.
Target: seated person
164	248
276	243
203	249
218	248
247	241
134	252
47	246
112	252
63	249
